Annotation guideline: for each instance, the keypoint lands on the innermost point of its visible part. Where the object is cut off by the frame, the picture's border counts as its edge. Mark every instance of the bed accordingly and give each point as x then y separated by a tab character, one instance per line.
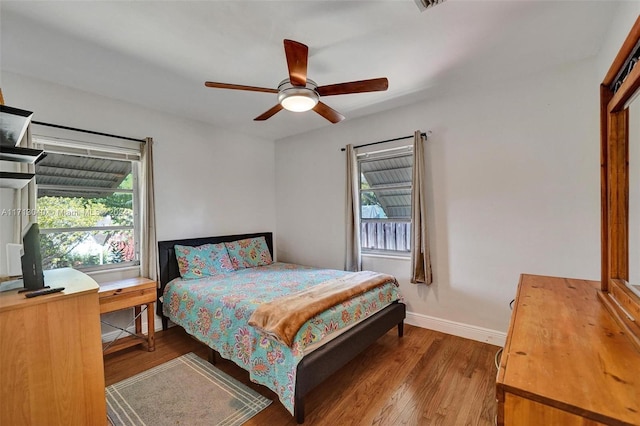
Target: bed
298	368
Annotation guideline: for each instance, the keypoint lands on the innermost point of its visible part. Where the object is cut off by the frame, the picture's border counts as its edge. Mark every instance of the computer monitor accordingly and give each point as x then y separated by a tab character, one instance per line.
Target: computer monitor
31	259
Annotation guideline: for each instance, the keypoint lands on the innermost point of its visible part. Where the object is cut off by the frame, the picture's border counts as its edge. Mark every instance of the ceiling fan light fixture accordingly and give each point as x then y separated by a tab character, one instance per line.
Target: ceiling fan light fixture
297	98
298	103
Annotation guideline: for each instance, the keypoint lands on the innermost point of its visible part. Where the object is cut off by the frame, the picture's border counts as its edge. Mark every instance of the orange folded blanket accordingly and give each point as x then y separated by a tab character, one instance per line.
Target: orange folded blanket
282	318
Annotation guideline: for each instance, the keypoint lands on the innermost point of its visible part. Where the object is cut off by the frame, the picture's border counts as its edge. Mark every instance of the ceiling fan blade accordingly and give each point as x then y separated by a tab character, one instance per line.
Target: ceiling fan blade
372	85
239	87
297	57
329	113
269	113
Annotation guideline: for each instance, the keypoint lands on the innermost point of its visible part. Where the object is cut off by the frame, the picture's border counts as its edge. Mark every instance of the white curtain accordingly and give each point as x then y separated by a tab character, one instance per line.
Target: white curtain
148	246
25	197
420	259
353	258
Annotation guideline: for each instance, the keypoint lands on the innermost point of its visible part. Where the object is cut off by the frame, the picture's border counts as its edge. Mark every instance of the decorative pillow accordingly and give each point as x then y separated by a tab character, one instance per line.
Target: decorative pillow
249	253
203	261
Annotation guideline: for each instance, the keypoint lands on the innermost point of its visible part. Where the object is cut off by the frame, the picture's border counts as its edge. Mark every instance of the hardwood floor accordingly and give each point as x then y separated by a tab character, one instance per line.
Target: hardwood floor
423	378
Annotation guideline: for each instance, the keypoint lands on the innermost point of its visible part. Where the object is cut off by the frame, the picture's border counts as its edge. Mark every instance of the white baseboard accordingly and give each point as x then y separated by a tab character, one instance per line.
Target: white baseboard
112	335
467	331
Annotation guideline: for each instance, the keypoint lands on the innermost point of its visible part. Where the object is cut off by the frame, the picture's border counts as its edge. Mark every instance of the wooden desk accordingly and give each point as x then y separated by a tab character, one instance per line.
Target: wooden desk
51	368
126	294
566	360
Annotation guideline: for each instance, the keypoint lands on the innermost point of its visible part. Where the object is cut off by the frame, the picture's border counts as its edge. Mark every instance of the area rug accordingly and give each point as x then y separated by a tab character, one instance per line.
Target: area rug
184	391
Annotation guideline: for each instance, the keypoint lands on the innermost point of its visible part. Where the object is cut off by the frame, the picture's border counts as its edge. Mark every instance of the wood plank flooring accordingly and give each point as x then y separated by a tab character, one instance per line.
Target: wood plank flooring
423	378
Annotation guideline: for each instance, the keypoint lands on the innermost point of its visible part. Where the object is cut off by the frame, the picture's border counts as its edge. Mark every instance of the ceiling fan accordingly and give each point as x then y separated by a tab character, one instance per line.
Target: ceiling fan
299	93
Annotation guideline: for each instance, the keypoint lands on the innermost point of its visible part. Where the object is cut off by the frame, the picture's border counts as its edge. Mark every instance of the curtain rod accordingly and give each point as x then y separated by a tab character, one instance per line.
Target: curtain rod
388	140
87	131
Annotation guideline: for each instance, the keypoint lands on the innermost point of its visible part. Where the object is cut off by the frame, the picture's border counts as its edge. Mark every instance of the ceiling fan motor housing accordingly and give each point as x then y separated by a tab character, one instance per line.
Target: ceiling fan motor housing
298	98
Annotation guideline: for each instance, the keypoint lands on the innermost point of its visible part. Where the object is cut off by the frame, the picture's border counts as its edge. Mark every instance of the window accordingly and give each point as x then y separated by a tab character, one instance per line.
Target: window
385	201
87	204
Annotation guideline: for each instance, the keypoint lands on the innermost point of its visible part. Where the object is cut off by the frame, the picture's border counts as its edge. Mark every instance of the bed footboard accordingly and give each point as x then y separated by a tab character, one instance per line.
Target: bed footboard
326	360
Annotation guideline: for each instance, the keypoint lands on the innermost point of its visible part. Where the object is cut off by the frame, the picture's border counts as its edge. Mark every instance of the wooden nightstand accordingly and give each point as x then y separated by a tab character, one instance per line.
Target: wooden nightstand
124	294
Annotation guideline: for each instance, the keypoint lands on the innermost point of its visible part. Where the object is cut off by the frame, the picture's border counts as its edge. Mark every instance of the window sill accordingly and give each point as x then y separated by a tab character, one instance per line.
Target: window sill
115	274
112	270
388	256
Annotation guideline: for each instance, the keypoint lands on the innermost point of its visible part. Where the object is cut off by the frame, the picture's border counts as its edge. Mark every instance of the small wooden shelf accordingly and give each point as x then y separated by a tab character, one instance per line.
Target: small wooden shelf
21	155
126	294
13	124
15	180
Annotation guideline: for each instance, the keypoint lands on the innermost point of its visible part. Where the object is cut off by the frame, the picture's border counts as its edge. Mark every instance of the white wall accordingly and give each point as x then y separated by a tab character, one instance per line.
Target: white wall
513	178
621	24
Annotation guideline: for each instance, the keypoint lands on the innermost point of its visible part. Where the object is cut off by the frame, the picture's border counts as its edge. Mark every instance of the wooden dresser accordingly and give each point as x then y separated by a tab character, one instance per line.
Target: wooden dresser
566	360
51	370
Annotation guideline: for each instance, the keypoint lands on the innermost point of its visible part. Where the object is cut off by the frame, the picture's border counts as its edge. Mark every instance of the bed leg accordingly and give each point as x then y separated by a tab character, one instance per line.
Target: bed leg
401	329
298	409
211	357
165	323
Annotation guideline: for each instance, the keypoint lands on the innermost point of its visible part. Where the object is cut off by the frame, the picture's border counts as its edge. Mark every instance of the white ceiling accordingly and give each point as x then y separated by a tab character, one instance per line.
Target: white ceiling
160	53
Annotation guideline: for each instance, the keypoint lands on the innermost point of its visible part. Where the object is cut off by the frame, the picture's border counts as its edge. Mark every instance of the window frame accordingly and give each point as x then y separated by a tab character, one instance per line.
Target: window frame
103	149
371	156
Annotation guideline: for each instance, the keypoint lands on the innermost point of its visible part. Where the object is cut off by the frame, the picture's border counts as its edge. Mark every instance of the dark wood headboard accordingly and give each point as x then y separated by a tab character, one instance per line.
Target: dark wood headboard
169	263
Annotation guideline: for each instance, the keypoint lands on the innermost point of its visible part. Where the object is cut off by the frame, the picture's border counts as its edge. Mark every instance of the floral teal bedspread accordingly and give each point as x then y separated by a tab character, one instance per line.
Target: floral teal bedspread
216	311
